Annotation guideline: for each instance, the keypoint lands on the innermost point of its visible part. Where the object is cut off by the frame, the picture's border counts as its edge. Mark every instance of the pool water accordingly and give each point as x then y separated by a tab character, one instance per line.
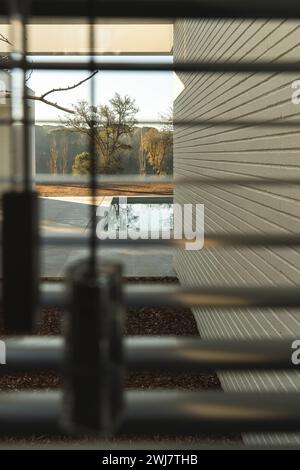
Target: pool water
141	217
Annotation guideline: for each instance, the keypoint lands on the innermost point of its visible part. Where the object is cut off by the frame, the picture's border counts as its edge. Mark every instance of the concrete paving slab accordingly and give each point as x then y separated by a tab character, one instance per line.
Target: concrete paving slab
143	263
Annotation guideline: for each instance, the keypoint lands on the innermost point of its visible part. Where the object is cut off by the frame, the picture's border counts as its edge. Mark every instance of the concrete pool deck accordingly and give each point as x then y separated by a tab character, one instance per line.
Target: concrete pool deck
72	215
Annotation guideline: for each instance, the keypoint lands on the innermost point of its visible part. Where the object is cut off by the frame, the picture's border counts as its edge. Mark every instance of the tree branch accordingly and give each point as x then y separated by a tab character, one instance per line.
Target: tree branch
42	98
55	90
4	39
4	58
49	103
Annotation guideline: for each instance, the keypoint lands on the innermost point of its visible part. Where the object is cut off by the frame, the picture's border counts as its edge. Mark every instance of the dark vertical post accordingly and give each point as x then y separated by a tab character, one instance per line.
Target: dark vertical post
93	398
116	330
20	261
94	129
20	242
87	385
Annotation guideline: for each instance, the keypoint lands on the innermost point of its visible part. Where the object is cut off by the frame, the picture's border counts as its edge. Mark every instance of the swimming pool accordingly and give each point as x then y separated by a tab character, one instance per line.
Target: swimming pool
141	214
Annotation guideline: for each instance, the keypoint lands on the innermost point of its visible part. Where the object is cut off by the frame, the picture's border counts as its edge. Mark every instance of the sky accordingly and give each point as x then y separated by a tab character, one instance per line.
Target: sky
153	91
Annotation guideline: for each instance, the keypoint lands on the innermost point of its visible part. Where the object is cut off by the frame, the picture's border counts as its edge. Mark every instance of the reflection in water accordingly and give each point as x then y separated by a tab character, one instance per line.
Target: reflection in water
141	217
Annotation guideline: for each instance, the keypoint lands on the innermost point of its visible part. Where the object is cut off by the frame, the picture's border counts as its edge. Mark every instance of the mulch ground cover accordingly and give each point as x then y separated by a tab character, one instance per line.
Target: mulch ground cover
142	321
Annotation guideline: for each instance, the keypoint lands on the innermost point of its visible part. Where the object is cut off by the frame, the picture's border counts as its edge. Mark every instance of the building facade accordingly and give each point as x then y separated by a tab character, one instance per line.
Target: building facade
240	150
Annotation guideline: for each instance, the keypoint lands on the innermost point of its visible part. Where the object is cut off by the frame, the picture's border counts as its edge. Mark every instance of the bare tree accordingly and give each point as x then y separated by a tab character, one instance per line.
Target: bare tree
65	154
167	120
53	155
108	126
142	155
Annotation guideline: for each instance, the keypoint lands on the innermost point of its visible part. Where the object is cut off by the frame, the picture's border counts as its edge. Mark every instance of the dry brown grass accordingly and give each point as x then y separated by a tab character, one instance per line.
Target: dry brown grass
107	190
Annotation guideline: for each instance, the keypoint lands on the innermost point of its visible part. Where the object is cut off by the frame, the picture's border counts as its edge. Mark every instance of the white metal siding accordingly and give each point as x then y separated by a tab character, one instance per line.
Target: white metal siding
241	151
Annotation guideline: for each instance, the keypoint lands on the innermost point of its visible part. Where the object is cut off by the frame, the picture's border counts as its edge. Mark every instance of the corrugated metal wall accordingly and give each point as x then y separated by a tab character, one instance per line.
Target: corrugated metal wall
240	150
